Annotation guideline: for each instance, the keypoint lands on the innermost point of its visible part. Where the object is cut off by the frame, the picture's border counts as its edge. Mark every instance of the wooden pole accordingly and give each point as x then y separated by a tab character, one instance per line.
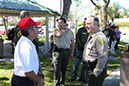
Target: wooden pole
47	34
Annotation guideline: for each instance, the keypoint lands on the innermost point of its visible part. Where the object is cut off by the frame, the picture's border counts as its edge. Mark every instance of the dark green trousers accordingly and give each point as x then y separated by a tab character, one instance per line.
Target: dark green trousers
60	61
97	81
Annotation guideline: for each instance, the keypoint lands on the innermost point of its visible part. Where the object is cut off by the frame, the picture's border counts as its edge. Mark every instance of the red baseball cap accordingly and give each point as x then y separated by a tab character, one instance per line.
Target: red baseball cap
27	22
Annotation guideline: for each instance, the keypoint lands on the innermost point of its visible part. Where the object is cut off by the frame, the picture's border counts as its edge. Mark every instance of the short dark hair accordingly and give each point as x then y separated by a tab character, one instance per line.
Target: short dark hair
112	18
96	20
25	32
85	18
61	19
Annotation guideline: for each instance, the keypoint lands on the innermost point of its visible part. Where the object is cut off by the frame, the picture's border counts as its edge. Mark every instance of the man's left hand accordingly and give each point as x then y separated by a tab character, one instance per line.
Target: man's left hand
41	75
71	55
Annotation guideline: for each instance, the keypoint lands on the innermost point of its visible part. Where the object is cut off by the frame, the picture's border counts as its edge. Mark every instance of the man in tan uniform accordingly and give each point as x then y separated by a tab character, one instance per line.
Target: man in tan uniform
61	51
95	52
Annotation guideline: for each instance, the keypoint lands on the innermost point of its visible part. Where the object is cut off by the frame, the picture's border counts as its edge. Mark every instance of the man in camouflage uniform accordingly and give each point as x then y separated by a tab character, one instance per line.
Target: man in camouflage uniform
81	38
95	52
61	51
17	30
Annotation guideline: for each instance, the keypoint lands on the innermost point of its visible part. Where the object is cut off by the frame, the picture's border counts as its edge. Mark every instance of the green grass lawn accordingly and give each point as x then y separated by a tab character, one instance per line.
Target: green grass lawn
4	37
115	63
6	69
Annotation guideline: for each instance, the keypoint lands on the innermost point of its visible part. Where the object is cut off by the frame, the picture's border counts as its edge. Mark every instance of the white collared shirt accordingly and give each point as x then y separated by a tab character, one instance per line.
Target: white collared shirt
112	23
25	57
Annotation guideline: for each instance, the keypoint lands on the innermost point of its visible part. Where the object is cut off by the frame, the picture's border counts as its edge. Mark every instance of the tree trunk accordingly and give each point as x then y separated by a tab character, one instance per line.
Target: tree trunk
5	24
66	8
103	12
104	16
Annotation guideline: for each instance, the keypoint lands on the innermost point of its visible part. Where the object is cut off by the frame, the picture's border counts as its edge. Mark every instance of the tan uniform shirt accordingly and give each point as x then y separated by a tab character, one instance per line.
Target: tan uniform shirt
64	41
96	48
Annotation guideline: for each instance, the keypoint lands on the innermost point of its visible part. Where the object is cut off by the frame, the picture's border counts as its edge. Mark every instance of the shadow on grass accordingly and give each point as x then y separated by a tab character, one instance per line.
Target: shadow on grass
123	43
3	78
3	81
113	64
47	70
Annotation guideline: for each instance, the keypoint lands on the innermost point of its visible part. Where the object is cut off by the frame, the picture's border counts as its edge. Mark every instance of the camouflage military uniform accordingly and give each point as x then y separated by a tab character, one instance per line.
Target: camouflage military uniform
17	34
61	53
95	57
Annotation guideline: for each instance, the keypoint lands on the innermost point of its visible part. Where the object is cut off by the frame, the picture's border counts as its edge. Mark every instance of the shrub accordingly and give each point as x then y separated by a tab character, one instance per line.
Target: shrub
1	24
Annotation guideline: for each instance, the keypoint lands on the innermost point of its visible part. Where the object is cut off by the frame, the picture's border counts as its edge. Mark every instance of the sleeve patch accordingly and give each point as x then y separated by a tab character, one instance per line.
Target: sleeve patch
19	34
84	33
55	29
68	33
72	32
101	41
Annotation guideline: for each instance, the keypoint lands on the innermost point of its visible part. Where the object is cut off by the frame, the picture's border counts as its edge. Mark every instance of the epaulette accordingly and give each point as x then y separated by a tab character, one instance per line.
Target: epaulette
72	33
55	29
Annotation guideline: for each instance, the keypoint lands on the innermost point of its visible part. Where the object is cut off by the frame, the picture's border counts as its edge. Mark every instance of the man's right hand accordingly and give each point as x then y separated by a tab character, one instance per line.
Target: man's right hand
61	33
41	82
66	30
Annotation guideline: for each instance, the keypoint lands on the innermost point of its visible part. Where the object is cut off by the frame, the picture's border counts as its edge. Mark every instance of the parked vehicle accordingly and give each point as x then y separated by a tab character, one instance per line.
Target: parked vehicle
2	32
2	29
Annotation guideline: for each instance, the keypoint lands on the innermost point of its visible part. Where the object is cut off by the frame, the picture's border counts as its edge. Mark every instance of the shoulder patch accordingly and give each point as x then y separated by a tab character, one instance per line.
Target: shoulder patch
72	33
84	33
101	41
19	34
68	33
55	29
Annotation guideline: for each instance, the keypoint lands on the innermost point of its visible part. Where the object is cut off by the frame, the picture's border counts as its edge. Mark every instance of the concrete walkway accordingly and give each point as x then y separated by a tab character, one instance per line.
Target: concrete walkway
6	59
114	78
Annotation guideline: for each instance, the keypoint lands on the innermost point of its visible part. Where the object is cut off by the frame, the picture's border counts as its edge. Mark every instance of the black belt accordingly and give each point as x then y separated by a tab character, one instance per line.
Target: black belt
85	62
90	65
20	77
62	49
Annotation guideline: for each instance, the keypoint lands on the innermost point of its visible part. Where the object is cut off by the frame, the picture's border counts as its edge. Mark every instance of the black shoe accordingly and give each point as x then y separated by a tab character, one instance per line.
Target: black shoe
83	80
71	79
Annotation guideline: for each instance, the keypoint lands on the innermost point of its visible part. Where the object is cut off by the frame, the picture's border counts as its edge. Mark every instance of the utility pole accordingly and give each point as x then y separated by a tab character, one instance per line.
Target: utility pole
76	20
91	9
60	7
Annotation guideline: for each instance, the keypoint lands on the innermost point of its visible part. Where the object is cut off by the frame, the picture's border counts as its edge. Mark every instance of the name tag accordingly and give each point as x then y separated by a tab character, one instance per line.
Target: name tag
84	33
